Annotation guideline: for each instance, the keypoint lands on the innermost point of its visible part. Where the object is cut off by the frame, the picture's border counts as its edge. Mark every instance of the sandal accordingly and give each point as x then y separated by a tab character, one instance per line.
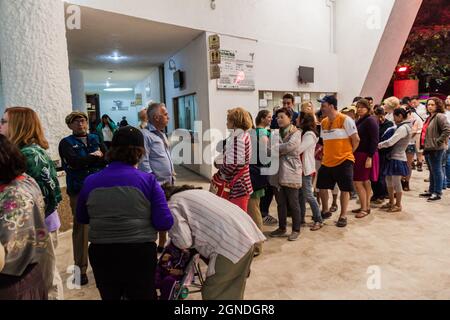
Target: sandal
386	206
342	223
362	214
334	208
395	209
357	210
316	226
326	215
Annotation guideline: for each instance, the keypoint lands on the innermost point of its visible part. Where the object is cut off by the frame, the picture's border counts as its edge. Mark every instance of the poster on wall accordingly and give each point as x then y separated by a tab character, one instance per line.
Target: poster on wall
236	71
138	99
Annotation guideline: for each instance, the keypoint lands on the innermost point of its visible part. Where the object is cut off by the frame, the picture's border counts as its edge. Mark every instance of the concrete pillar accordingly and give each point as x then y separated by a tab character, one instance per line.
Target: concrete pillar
77	89
390	48
34	62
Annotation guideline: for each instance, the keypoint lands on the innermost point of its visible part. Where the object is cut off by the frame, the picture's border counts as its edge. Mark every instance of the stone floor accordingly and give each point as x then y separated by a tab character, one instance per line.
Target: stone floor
409	251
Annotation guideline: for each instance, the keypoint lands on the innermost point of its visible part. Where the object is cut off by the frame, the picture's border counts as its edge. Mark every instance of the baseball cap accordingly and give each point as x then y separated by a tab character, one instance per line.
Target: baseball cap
348	109
329	99
76	114
128	137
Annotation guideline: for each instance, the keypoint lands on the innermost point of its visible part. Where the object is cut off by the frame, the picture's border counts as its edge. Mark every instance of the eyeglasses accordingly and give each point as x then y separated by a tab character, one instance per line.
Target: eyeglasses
79	121
3	121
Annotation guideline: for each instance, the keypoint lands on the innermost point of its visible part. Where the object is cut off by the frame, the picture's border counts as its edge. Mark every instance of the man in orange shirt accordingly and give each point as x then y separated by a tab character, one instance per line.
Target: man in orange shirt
340	140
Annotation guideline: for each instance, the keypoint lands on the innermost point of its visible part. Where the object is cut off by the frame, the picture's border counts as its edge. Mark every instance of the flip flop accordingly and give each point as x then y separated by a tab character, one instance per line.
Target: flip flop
362	214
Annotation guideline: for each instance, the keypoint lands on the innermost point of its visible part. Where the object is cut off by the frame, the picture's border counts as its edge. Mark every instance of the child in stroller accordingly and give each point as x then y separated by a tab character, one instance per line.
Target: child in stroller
176	271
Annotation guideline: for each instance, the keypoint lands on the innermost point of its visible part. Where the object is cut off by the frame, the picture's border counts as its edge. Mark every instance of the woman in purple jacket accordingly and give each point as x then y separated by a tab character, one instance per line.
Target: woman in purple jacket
125	208
366	156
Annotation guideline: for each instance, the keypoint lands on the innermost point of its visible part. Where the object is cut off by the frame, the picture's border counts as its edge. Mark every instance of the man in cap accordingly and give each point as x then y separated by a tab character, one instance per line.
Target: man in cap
81	154
340	140
350	112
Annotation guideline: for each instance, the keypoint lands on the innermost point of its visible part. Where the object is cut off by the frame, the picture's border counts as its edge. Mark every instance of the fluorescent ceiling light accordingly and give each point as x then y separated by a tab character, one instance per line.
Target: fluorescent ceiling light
118	89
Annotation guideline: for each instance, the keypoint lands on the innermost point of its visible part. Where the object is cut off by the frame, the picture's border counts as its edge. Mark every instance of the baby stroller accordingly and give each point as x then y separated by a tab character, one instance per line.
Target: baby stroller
178	273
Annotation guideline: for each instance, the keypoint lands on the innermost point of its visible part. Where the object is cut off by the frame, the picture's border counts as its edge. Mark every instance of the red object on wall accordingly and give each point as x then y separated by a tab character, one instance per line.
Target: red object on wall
406	88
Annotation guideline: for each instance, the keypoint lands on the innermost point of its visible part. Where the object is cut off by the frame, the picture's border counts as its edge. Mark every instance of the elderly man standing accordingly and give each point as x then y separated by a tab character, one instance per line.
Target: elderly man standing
157	158
81	154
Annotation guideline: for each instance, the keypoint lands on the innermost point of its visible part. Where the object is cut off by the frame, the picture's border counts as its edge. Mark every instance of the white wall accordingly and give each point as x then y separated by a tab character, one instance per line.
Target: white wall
278	68
193	61
155	88
106	103
390	49
359	27
304	23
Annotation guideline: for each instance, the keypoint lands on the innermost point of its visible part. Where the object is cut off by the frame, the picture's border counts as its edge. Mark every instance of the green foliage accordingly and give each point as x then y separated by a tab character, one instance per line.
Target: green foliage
427	52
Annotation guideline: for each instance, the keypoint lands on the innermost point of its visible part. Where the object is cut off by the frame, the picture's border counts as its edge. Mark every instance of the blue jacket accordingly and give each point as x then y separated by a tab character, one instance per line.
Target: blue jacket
77	161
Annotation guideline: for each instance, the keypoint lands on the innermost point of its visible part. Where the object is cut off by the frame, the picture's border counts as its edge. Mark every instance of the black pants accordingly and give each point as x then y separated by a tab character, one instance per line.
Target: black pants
124	271
288	197
266	201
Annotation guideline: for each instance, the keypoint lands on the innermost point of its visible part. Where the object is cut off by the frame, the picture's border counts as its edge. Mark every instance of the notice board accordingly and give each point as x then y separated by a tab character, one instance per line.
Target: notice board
237	71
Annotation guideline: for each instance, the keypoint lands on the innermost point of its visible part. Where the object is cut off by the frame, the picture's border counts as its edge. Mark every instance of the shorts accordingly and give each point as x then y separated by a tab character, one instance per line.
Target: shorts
411	148
341	174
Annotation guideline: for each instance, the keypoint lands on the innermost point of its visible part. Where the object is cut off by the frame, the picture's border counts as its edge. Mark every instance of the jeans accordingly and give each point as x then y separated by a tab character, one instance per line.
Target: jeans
288	196
306	195
447	167
434	162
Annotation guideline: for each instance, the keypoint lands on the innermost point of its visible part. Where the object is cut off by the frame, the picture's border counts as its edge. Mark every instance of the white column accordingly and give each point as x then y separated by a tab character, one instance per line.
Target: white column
34	62
77	89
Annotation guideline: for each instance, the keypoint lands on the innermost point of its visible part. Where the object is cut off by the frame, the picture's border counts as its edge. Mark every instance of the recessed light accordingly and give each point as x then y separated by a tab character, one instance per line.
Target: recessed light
118	89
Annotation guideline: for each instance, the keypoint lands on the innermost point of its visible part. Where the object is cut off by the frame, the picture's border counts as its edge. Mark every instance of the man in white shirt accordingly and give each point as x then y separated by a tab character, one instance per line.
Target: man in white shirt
419	111
221	232
420	108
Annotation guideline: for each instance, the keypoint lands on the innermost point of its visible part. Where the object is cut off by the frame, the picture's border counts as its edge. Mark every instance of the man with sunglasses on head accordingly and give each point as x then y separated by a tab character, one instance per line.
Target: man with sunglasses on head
82	154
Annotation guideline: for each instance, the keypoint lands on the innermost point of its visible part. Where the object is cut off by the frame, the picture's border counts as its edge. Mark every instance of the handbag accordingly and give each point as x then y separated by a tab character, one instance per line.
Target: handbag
221	187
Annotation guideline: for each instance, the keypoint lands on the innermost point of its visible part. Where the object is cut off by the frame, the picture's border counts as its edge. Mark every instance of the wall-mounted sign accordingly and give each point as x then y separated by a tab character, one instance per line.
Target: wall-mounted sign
214	71
214	42
263	103
268	95
236	71
297	100
214	57
306	96
138	101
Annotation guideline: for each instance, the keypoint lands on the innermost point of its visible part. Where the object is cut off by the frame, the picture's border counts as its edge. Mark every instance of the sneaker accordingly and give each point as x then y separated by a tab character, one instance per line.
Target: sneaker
269	220
434	198
279	233
425	195
294	236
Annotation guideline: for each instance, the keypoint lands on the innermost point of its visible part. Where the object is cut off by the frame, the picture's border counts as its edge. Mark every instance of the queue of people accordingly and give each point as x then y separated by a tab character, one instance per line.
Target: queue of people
121	183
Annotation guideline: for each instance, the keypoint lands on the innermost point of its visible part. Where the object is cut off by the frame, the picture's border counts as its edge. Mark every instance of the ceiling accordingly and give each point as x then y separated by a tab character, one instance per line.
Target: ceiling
140	44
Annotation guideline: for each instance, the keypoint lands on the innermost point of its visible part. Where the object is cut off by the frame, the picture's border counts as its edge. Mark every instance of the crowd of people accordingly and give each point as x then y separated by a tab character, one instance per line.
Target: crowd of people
121	183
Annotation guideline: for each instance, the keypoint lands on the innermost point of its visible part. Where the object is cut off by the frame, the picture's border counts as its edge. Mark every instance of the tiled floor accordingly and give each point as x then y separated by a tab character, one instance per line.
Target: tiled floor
409	251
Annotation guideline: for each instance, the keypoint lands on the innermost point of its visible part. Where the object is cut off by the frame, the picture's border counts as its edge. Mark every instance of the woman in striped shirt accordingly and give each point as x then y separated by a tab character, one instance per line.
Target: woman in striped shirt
236	160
